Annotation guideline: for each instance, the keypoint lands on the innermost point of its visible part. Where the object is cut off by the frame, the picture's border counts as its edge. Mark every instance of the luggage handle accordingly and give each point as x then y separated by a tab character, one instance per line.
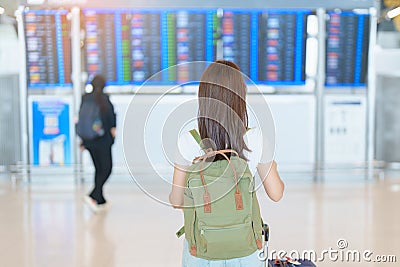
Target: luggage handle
263	254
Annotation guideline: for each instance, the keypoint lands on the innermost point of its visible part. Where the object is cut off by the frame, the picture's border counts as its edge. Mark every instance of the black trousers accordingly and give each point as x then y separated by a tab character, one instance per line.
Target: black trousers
102	160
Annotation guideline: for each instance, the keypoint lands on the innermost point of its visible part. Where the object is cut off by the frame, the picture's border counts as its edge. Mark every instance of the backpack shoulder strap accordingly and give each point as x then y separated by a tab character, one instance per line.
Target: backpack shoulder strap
180	232
195	134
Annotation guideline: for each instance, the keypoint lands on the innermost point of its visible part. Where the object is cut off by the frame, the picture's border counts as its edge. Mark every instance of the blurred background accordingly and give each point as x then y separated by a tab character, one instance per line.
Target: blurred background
329	70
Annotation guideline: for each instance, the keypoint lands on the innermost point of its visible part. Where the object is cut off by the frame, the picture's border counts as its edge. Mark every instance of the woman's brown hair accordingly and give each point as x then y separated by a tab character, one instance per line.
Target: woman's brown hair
222	117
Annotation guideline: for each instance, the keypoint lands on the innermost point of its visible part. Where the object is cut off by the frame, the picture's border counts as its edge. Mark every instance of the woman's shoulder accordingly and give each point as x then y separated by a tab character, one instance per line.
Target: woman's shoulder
87	95
107	98
252	132
186	138
262	150
187	149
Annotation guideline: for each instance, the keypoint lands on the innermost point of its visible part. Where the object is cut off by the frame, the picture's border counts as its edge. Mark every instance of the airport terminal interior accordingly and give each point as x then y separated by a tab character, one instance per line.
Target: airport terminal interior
323	88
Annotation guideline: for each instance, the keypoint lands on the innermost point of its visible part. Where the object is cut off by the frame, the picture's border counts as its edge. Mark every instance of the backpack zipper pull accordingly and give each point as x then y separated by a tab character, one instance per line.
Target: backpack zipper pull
238	200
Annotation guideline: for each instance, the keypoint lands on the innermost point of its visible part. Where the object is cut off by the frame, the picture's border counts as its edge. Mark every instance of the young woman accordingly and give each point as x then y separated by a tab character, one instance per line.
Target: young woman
100	148
222	86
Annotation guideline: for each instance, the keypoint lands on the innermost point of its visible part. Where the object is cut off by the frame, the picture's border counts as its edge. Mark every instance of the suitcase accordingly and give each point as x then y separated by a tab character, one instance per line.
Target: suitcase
263	254
303	263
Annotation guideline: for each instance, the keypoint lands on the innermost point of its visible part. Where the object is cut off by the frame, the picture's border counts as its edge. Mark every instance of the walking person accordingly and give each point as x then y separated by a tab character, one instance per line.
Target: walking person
223	225
97	129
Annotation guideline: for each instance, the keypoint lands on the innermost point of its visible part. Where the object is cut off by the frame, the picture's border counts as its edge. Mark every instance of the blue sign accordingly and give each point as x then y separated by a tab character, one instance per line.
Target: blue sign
51	139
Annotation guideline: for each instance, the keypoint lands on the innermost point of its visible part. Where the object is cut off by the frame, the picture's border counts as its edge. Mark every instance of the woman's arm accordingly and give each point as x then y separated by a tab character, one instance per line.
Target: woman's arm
112	118
271	180
178	187
111	114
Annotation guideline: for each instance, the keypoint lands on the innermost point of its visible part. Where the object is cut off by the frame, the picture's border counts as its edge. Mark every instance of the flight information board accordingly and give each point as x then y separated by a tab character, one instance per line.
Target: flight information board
141	45
238	38
347	49
267	45
123	45
100	44
130	46
48	49
282	36
190	37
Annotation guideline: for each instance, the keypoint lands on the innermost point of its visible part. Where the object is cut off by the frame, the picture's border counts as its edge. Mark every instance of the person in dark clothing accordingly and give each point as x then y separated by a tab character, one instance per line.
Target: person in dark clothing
100	147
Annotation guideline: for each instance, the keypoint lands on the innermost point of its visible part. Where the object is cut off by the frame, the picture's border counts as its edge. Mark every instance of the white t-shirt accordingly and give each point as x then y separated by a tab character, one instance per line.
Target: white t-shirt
261	152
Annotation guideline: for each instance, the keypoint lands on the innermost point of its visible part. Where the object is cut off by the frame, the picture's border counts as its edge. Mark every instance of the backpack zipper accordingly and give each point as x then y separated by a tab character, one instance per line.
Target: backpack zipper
203	230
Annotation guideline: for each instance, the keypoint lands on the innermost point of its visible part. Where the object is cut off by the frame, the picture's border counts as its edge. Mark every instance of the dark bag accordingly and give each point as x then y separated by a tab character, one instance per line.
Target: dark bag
89	125
284	263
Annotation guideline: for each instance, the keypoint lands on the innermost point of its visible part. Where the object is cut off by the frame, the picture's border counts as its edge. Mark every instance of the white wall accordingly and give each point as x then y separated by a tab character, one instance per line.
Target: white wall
9	56
387	61
294	117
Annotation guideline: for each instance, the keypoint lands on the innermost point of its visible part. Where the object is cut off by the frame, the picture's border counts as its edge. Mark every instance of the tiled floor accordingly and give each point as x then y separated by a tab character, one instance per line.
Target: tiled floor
45	223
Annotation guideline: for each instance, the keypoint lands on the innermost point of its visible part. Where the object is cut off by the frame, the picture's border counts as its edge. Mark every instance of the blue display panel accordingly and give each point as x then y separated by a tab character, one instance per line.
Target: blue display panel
281	45
130	46
123	45
238	37
141	45
50	122
48	48
347	49
190	36
268	45
101	43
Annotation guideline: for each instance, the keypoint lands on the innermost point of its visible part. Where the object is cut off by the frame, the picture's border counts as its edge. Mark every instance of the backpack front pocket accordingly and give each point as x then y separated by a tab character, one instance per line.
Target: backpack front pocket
220	242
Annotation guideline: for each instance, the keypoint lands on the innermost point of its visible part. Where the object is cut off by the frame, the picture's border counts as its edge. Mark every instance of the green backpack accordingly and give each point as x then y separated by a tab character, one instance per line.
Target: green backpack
222	214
